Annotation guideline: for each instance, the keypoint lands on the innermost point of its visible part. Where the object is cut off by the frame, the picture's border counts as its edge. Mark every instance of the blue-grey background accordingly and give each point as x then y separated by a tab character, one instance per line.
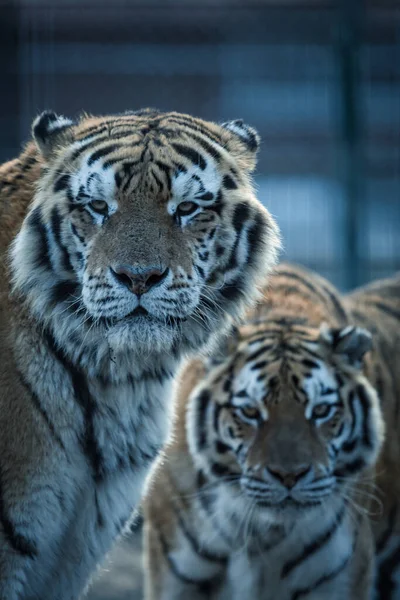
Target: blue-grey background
319	79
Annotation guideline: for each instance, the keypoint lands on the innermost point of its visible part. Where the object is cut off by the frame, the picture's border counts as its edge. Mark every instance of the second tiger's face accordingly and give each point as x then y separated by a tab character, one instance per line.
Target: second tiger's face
284	422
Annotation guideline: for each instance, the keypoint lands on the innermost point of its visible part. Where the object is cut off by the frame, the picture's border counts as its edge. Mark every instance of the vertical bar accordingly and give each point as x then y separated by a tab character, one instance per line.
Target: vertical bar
350	147
9	69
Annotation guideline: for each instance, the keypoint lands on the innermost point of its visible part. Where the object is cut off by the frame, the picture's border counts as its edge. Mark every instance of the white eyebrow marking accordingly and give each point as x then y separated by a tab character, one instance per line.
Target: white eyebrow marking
193	183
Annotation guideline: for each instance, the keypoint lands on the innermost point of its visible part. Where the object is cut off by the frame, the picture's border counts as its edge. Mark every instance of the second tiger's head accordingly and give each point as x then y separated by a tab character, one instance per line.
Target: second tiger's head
287	420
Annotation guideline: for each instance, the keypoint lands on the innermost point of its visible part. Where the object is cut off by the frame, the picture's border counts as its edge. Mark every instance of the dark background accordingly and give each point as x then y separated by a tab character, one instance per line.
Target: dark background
319	79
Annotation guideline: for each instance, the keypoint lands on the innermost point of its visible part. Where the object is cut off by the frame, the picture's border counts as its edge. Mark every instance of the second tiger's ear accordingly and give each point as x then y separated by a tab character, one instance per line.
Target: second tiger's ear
351	342
50	131
243	143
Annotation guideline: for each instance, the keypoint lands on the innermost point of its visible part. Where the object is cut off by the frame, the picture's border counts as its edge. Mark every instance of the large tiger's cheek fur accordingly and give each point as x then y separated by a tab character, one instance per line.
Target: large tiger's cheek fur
82	233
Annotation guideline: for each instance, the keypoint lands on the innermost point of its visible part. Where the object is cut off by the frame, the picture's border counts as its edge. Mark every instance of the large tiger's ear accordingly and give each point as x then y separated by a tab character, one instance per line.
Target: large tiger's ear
243	143
50	131
350	342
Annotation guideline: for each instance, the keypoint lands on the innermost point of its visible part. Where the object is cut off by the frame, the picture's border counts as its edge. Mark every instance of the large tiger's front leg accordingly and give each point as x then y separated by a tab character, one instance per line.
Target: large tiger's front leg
32	522
174	571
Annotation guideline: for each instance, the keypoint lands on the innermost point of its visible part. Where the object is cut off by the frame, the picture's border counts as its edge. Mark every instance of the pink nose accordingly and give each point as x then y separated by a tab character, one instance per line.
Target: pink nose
138	281
289	478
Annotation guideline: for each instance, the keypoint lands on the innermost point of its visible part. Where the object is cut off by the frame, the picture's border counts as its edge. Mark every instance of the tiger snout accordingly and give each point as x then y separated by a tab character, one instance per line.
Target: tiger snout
138	280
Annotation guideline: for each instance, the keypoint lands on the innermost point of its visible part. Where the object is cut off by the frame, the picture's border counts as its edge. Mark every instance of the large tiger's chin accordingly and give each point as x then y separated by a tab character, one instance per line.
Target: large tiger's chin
143	334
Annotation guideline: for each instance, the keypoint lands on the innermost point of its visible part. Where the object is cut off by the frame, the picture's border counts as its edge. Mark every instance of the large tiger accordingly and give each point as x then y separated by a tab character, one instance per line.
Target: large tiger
273	485
139	238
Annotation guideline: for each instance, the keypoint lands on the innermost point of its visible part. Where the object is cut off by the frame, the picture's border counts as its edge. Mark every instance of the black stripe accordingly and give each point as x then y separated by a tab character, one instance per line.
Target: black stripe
311	364
166	170
203	402
56	229
130	174
349	446
62	183
313	547
304	281
310	352
19	543
340	312
195	127
254	237
38	405
206	505
350	468
363	398
157	180
222	448
203	584
229	183
75	232
386	586
196	547
200	271
35	222
212	151
191	154
259	365
219	469
351	400
240	215
388	310
383	540
87	403
259	352
92	130
29	162
101	152
324	579
232	291
87	146
124	164
63	290
207	196
328	577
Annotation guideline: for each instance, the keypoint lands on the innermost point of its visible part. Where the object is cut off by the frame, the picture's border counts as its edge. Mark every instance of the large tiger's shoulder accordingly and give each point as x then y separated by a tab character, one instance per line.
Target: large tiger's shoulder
17	184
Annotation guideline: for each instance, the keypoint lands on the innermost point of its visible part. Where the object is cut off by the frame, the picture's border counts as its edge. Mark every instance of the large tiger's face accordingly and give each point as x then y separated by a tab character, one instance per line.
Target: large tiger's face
288	420
145	225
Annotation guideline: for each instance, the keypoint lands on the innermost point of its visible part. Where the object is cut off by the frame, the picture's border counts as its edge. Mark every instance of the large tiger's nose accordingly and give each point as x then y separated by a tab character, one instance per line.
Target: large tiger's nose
289	478
138	280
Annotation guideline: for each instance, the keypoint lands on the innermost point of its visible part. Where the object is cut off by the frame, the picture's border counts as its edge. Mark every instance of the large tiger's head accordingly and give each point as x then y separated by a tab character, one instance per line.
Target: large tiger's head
144	230
287	420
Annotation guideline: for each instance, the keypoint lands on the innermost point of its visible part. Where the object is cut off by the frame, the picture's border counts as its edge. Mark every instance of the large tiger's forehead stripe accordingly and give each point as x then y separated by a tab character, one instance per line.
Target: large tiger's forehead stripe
166	143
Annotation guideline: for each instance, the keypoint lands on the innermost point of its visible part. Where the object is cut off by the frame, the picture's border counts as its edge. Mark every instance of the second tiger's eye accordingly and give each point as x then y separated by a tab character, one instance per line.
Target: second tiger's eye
322	410
249	411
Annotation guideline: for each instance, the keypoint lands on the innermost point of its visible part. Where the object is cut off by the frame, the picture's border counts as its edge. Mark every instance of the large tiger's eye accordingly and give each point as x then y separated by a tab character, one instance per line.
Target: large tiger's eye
99	206
186	208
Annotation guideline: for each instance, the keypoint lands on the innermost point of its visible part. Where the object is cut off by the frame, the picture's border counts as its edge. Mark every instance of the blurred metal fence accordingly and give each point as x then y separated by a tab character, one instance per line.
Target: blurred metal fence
320	80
